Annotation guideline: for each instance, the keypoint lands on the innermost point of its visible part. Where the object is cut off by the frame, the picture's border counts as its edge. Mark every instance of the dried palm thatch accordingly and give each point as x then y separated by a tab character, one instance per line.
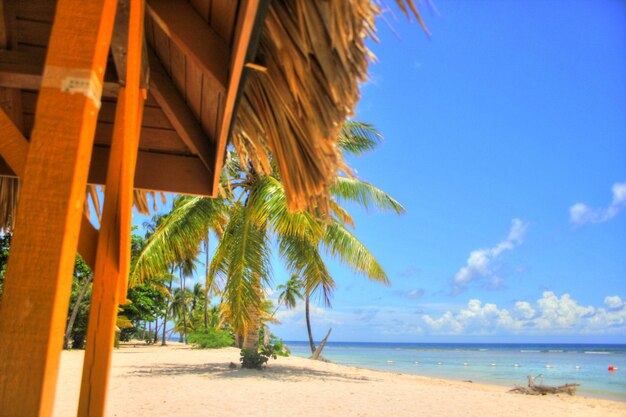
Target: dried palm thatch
315	56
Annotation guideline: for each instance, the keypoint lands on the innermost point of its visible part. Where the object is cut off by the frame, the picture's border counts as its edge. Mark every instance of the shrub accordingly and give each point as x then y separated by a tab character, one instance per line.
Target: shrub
253	360
211	338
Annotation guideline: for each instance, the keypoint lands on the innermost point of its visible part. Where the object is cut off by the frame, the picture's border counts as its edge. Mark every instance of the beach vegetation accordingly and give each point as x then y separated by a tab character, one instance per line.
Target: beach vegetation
250	219
211	338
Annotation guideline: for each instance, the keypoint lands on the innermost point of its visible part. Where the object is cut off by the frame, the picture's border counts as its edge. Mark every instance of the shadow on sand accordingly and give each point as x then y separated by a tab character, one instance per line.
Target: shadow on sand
221	370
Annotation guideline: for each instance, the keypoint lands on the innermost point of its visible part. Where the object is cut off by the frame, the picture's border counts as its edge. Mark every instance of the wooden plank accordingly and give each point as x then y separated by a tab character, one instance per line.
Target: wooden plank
203	7
248	16
119	42
186	28
193	81
113	258
45	240
178	113
154	139
184	174
162	46
30	32
223	14
153	117
27	76
179	68
40	10
212	103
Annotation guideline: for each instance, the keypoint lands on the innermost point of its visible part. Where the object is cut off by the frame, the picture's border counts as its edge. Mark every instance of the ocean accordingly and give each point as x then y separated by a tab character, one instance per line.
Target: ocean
500	364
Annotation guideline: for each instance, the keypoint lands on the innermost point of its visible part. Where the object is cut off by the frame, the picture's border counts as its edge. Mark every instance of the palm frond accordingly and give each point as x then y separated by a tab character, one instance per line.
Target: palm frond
365	194
358	137
178	236
242	255
342	244
268	205
303	259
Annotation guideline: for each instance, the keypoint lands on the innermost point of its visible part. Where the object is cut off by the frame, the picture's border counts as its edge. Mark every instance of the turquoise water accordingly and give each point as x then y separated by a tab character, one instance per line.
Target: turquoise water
491	363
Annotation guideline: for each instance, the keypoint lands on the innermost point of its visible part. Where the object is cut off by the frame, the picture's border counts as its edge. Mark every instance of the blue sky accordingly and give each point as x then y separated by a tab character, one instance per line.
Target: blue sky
505	139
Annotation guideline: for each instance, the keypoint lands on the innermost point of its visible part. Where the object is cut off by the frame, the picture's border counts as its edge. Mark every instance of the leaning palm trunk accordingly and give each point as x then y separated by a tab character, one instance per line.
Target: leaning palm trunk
307	301
70	323
167	307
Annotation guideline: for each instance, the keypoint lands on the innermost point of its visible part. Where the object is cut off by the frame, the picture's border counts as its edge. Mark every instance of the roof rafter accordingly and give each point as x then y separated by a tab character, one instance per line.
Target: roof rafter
178	113
186	28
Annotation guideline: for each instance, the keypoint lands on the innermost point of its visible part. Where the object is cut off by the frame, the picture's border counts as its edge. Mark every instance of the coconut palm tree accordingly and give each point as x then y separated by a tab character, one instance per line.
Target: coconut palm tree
289	292
258	212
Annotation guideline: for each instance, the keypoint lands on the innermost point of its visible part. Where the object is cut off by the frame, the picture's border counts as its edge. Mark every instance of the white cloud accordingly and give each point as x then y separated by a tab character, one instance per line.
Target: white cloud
613	302
551	314
580	213
480	260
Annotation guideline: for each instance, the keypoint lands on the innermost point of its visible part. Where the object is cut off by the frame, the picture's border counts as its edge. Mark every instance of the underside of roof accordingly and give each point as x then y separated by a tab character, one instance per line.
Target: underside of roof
276	78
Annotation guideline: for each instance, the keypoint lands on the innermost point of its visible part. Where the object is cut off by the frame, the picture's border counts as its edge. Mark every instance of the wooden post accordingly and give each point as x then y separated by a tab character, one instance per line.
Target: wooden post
113	254
39	276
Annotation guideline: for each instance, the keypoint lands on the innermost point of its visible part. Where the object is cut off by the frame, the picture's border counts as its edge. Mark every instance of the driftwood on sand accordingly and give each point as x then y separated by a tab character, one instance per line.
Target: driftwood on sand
538	389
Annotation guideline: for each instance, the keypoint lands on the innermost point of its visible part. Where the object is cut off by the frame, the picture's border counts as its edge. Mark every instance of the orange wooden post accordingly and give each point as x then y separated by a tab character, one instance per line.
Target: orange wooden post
39	276
113	256
14	150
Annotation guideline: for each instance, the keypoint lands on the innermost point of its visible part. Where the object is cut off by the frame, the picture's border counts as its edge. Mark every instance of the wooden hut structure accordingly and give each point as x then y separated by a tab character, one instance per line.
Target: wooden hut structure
145	95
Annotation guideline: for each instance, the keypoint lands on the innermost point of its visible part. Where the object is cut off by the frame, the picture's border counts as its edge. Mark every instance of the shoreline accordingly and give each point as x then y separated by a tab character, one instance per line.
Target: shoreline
477	362
191	382
601	396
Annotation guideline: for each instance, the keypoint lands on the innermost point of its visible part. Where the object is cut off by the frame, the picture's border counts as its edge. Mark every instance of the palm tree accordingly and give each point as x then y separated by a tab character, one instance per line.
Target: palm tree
258	211
289	292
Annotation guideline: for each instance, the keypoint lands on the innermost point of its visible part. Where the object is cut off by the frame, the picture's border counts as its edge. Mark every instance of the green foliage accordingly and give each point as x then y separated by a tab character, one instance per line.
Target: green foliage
211	338
256	360
5	245
82	273
276	345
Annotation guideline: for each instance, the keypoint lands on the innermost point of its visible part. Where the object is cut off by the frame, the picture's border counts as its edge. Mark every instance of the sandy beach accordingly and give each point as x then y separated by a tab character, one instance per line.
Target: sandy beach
178	380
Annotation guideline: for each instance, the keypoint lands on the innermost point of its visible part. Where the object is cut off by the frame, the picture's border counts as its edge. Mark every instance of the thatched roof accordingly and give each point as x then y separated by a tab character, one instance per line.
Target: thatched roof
304	61
314	58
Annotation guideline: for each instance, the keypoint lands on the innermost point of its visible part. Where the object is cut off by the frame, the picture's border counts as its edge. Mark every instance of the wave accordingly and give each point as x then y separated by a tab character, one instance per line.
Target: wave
556	351
597	352
529	351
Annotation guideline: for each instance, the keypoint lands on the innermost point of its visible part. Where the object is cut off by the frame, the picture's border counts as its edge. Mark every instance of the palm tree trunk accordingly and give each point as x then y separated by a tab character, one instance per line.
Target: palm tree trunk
308	321
167	307
206	290
184	307
251	341
70	323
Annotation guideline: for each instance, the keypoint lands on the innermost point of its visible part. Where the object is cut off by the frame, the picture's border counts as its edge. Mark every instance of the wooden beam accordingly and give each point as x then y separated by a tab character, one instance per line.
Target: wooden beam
247	21
193	35
39	274
184	174
23	71
14	150
178	113
119	46
113	259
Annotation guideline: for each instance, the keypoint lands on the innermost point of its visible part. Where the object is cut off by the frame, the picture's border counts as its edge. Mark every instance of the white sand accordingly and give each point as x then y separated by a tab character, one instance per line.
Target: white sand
177	380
